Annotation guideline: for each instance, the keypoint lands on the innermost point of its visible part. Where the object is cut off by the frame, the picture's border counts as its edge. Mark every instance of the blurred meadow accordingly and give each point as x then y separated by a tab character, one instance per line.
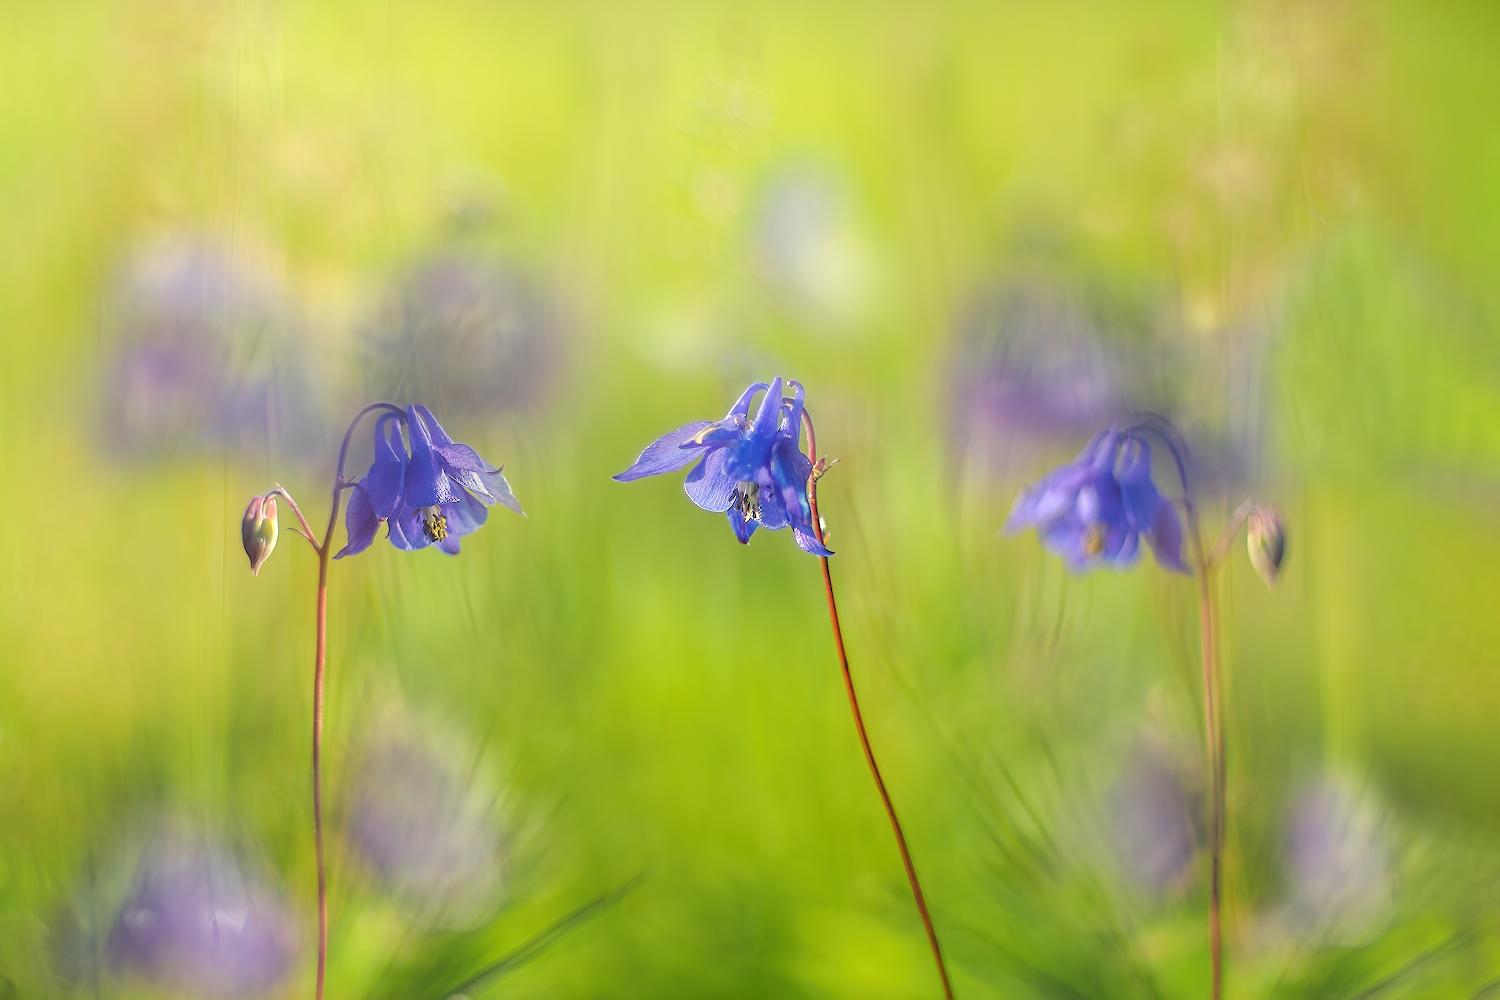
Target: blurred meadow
605	751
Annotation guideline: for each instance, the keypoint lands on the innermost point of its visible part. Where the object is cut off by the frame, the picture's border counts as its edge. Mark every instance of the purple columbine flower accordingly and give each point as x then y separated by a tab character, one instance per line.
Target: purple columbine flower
1096	509
429	489
753	471
198	921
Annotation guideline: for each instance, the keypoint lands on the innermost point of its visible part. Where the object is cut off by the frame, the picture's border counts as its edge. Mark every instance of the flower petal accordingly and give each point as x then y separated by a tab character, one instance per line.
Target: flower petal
751	455
1136	488
789	471
707	484
810	543
666	454
426	483
387	473
448	545
1165	538
360	521
466	516
498	489
773	516
439	436
404	529
743	527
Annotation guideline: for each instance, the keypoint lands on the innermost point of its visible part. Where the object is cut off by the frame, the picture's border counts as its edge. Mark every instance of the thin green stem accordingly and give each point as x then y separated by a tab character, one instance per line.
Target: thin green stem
859	721
1213	722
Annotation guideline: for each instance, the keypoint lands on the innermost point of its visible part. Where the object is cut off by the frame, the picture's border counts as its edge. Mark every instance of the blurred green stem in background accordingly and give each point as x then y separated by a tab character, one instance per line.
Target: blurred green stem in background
819	468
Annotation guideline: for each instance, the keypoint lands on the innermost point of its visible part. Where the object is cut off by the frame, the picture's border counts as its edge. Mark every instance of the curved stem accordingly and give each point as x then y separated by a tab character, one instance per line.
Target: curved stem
306	532
859	722
319	661
1213	721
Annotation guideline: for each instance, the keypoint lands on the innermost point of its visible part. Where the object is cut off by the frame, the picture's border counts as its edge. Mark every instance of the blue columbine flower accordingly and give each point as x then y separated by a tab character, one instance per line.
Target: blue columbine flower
753	471
431	493
1096	509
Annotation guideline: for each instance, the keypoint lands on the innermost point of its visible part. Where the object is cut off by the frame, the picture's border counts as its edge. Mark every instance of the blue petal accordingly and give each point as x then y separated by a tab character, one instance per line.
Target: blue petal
448	545
439	436
404	529
750	456
426	483
360	521
1165	538
387	473
466	516
772	510
496	486
1136	489
743	527
707	485
1055	493
810	543
666	454
1063	536
789	471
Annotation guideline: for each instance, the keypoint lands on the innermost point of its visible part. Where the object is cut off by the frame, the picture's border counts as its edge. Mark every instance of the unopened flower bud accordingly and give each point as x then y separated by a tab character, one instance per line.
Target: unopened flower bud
1266	540
258	531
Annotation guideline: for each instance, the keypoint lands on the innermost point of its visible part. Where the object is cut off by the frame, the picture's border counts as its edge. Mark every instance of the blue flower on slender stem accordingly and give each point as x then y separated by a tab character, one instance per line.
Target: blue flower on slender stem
752	471
1096	509
430	490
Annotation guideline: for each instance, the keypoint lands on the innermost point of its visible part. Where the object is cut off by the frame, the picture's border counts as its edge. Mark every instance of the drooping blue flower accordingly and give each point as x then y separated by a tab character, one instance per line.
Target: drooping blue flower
753	471
429	489
1096	509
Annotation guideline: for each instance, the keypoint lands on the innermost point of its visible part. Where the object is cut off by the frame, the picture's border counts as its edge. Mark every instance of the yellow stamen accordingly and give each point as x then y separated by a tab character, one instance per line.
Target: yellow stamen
434	524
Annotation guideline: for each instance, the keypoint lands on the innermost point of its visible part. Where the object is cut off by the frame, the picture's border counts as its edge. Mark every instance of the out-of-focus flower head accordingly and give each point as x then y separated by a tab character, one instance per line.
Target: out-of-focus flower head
1150	821
204	355
429	489
1095	510
1030	371
197	920
754	471
807	249
425	823
471	334
1339	861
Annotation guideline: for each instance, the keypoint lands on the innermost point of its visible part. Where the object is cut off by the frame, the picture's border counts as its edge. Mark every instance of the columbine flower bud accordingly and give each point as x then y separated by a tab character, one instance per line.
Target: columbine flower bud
258	531
1266	540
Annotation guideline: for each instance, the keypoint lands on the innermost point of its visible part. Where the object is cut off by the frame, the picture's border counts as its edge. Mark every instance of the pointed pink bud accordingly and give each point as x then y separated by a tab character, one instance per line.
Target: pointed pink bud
258	531
1266	540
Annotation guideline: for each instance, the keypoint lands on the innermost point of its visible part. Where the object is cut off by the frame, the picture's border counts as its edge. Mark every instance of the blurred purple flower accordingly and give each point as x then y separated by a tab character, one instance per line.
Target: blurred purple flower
198	921
470	334
424	825
1095	509
1339	860
753	471
1031	370
202	355
433	496
1151	826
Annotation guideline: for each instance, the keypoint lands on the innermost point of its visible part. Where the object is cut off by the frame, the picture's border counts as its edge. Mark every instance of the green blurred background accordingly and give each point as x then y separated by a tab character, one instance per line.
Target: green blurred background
572	227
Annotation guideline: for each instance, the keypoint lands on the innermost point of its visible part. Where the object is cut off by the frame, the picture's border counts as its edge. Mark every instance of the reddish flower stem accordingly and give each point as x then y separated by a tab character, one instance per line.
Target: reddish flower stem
320	656
859	722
